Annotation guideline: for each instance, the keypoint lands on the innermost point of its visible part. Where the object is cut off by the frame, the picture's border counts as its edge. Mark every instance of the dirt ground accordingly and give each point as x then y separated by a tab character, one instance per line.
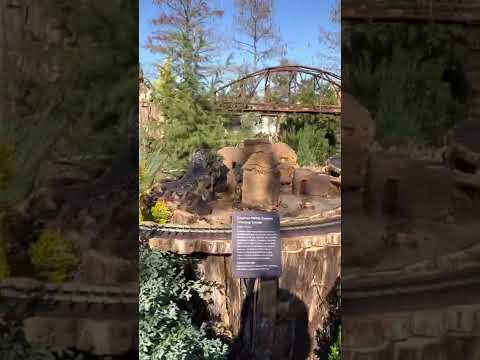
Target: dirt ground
290	206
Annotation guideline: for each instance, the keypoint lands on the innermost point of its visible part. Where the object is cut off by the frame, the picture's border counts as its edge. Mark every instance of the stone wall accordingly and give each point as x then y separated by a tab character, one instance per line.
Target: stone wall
444	333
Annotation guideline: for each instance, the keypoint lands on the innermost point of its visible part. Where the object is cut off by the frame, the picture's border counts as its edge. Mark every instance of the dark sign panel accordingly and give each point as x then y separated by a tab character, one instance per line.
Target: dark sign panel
256	245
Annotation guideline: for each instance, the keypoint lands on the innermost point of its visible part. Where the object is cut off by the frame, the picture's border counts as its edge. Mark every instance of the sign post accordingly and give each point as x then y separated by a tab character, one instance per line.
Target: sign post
256	244
257	259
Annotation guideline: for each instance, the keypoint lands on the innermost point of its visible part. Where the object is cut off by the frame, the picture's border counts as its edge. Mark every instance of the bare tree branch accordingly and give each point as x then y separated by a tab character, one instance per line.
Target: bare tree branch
255	21
184	35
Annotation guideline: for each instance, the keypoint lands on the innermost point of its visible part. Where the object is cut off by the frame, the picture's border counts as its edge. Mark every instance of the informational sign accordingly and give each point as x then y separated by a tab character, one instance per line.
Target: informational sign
256	245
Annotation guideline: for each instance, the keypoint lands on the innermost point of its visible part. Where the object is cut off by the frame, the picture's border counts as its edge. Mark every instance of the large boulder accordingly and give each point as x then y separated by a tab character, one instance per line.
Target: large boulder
357	135
284	153
261	182
286	173
318	185
231	156
287	160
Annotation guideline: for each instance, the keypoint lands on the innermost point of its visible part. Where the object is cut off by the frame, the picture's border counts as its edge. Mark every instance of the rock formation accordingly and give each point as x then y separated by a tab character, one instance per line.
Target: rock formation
287	160
251	146
357	135
307	182
401	186
203	179
232	156
318	185
261	182
300	178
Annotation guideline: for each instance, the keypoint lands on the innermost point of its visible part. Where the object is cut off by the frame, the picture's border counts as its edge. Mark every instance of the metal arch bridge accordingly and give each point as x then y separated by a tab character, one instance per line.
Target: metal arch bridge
255	92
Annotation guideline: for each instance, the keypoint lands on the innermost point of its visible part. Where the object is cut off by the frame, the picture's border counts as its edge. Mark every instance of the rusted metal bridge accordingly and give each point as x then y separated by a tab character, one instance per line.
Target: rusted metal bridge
282	89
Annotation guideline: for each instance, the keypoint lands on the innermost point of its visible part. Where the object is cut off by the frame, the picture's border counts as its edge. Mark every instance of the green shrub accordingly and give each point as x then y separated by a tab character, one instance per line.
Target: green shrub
414	86
311	145
53	256
335	349
167	331
313	137
313	148
160	212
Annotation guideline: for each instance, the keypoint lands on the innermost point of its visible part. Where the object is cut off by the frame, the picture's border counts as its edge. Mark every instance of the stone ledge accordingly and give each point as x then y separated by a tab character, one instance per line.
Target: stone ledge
410	331
222	247
25	288
449	269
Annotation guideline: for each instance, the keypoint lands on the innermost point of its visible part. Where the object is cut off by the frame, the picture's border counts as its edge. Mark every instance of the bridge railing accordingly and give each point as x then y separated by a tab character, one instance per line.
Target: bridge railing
262	92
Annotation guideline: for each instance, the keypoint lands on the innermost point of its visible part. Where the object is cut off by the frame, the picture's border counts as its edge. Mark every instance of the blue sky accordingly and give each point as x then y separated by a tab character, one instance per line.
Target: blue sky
299	23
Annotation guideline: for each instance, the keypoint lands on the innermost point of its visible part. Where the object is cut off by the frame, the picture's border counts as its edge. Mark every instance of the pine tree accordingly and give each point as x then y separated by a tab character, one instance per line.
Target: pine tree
190	120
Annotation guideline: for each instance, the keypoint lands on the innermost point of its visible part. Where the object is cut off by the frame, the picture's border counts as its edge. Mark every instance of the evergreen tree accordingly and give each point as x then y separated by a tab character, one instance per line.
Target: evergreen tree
190	121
